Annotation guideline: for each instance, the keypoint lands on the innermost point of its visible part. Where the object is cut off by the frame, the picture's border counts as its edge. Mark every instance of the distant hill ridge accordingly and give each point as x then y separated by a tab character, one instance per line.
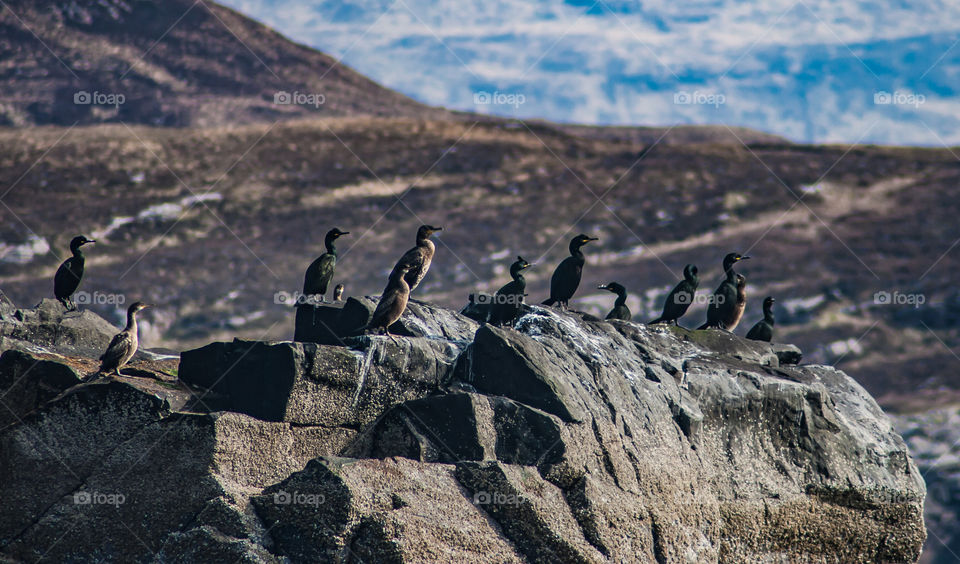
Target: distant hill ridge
171	63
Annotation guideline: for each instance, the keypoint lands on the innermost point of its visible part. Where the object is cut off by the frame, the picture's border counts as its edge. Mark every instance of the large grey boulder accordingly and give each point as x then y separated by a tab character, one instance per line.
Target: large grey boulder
561	439
310	384
50	328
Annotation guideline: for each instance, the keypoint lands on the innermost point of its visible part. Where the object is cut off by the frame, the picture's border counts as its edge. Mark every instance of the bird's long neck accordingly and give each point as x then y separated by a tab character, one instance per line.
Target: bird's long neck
131	322
427	244
77	252
768	315
731	275
621	299
575	250
331	246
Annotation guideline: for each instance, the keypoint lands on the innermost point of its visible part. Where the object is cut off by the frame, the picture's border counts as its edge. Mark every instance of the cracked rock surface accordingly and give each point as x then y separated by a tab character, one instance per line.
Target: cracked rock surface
562	439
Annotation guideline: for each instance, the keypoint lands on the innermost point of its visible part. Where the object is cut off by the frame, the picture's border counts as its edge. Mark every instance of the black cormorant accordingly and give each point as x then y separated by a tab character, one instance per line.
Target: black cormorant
620	309
763	330
566	278
320	272
393	300
680	298
419	257
723	311
68	276
124	344
509	299
338	293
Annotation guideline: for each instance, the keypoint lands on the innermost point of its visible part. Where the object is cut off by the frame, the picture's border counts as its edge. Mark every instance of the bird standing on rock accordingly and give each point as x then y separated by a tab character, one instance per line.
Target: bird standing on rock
680	298
566	278
620	309
320	272
124	344
338	293
509	299
68	276
763	330
725	311
393	301
418	259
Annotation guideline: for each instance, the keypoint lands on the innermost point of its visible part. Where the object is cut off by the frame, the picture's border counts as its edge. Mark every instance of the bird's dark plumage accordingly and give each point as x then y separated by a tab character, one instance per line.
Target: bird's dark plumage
338	293
69	275
725	311
620	309
680	298
393	301
509	299
763	330
419	257
320	272
124	344
566	278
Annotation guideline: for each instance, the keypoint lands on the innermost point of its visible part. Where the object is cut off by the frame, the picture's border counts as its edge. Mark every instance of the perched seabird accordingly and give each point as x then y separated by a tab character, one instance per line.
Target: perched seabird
68	276
566	278
508	300
763	330
723	311
741	304
419	258
620	309
338	293
393	301
680	298
124	344
320	272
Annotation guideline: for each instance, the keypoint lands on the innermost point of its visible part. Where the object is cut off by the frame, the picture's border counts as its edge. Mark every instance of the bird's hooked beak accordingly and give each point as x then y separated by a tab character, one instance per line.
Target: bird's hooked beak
88	241
603	287
342	233
743	258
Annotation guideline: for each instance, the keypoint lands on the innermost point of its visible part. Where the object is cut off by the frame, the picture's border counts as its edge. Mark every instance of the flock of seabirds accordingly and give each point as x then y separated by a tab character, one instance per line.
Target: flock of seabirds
725	307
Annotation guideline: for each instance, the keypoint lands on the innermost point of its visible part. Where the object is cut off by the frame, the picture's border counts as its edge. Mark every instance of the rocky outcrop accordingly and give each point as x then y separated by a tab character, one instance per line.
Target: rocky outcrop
933	438
562	439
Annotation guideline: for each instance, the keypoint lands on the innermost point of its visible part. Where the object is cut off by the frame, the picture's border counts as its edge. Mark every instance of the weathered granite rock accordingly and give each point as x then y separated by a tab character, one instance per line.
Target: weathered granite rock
50	328
109	458
563	439
27	381
334	324
311	384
